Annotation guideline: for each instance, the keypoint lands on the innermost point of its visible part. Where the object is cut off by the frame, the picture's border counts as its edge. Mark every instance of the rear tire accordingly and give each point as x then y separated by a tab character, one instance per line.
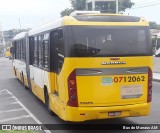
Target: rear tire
15	73
47	103
24	82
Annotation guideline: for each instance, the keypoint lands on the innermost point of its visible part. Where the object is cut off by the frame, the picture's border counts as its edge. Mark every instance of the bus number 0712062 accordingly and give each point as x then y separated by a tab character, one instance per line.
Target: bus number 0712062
129	79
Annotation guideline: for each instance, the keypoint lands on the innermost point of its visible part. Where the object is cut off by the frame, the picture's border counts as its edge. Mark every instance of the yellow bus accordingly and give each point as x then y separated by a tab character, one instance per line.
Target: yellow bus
88	66
8	53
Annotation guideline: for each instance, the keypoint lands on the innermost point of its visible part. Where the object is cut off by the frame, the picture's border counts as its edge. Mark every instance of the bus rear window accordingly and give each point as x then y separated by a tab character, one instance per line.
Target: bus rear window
107	41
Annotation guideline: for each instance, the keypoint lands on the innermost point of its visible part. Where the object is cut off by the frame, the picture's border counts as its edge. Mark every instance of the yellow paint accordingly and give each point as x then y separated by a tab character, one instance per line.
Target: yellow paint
107	95
25	80
73	114
38	91
51	77
18	75
7	54
90	86
57	103
58	107
68	20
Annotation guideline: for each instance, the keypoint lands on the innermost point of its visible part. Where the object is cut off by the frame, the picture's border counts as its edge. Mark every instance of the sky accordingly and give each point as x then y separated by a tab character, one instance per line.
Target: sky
29	13
150	9
15	14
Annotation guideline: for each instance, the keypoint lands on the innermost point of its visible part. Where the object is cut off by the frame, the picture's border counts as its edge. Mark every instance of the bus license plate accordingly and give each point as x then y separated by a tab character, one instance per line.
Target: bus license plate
131	91
114	114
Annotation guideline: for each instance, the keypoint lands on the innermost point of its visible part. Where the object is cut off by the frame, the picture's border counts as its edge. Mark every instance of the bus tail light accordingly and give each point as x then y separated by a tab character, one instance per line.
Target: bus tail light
72	90
149	97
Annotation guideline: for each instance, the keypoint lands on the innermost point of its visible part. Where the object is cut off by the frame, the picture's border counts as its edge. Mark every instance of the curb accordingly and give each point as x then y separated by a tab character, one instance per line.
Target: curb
156	80
156	76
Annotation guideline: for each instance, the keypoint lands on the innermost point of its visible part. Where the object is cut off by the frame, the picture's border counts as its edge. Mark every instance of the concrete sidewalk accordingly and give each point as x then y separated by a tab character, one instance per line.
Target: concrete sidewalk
156	69
156	76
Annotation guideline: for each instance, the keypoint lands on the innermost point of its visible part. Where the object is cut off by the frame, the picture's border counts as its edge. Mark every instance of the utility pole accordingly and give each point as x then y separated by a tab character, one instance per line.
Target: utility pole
3	40
117	7
93	2
20	23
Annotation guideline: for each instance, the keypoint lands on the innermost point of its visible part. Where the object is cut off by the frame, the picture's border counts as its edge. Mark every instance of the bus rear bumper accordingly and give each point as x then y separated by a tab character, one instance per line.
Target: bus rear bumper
77	114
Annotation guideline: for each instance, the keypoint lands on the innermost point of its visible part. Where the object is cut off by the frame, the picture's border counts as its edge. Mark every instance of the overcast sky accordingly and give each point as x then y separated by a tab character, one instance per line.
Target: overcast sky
150	9
34	12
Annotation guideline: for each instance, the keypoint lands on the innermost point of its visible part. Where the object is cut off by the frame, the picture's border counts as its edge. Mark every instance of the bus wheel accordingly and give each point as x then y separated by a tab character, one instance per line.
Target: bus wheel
24	82
47	102
15	73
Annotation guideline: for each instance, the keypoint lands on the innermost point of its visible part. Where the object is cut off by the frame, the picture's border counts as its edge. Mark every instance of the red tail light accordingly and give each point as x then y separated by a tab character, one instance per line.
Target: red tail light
149	98
72	90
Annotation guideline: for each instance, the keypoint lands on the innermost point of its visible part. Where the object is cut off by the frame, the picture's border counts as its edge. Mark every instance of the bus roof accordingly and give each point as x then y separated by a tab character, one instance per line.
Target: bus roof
87	19
20	36
46	27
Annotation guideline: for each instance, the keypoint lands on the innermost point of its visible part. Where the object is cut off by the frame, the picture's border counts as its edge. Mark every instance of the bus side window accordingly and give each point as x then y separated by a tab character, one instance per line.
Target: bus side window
36	60
46	51
40	51
60	50
31	49
18	50
14	50
23	50
57	47
21	43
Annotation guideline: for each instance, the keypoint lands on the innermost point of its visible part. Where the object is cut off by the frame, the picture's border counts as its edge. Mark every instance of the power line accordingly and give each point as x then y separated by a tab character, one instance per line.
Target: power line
143	1
154	4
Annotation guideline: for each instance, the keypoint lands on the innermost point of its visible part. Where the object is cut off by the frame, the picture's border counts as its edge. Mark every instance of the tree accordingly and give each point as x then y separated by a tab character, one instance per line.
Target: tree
125	4
100	5
67	12
110	6
78	4
1	50
154	25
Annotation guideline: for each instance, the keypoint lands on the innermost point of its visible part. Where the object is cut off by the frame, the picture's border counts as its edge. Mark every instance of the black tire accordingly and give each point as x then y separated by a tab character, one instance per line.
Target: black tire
25	87
24	82
47	103
15	73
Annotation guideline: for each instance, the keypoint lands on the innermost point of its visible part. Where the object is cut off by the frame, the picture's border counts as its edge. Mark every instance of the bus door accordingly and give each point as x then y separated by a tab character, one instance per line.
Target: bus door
27	60
57	58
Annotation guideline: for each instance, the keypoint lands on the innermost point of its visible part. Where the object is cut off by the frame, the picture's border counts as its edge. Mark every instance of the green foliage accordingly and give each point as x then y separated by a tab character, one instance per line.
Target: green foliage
111	6
101	5
123	5
66	12
154	25
9	34
1	50
78	4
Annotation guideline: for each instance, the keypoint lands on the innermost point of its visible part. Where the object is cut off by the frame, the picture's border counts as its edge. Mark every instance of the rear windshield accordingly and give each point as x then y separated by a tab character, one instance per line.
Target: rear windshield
85	41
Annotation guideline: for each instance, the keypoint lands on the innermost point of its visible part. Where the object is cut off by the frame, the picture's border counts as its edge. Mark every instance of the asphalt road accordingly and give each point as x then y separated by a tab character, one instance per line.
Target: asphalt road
31	110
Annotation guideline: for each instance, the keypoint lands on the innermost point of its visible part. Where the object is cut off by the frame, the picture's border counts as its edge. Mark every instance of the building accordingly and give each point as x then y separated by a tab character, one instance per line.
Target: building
96	5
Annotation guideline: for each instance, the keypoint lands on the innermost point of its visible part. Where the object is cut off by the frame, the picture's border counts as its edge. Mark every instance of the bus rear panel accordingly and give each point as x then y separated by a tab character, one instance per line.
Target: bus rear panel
109	72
